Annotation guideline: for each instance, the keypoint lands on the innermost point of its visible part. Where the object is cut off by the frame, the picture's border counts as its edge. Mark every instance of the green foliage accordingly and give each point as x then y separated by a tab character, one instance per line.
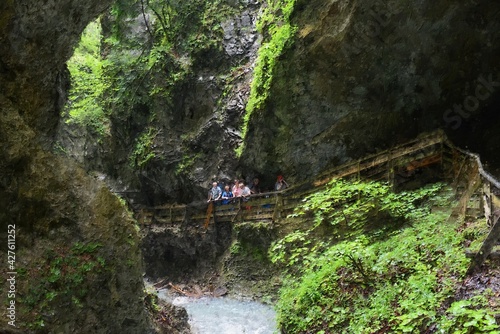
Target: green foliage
276	19
235	248
189	25
87	85
354	203
123	76
401	283
348	209
252	242
144	70
187	161
468	316
179	32
151	300
144	148
61	280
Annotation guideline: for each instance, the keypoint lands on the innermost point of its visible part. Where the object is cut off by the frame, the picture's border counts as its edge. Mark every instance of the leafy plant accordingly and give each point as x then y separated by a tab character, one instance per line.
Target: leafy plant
349	209
144	148
85	104
276	20
468	316
187	161
366	284
353	203
61	280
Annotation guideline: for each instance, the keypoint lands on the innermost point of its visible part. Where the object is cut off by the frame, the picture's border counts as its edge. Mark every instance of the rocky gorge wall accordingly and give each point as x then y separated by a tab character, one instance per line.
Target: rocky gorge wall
187	111
363	76
77	260
356	77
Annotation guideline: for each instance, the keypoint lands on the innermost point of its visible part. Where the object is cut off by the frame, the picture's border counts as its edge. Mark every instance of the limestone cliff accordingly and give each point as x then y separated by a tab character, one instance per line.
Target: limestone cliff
77	258
177	122
355	77
363	76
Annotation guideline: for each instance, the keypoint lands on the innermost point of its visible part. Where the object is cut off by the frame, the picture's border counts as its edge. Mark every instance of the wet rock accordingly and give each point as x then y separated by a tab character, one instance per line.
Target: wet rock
168	318
240	34
54	205
198	130
364	76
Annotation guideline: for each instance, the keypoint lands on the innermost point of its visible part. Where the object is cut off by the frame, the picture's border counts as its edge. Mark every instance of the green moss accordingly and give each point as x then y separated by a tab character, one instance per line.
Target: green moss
274	22
144	149
253	241
61	279
235	248
187	161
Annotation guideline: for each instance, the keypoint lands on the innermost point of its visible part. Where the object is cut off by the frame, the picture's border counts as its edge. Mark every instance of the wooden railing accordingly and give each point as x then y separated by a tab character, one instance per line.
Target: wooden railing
421	152
487	188
382	165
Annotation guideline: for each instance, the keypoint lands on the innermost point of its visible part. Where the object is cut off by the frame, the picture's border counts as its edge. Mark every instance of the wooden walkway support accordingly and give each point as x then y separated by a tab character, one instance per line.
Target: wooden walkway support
487	247
210	209
489	193
464	168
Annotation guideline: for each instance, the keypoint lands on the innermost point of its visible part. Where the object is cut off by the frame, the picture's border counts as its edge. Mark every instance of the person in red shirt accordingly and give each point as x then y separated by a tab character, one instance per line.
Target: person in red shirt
280	184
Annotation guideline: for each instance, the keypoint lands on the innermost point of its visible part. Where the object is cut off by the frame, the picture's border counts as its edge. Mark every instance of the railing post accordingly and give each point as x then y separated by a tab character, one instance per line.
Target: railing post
277	208
240	209
487	246
215	208
185	219
282	205
390	171
441	151
359	169
488	203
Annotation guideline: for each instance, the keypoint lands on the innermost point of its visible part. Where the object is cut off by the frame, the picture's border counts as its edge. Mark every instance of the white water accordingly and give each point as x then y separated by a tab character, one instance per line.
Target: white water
225	315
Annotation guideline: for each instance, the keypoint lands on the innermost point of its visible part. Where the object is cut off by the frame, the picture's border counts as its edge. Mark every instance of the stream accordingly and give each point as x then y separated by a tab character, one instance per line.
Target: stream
210	315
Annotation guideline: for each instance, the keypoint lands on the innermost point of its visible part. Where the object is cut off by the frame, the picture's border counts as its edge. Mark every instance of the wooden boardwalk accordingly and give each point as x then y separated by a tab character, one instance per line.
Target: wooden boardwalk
400	162
404	159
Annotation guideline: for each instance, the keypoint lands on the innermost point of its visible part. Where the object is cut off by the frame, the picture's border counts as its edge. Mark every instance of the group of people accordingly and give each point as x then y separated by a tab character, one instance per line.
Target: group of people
239	189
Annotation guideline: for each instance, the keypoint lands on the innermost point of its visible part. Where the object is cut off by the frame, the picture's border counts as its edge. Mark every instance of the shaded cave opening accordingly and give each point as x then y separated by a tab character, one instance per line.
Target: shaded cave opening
480	134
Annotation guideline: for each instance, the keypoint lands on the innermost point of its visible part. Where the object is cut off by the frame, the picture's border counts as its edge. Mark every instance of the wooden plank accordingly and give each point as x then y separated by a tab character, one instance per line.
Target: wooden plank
355	167
198	216
225	219
420	152
210	209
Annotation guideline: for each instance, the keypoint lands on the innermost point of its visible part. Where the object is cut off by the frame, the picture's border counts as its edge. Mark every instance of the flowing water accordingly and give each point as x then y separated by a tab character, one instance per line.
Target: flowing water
209	315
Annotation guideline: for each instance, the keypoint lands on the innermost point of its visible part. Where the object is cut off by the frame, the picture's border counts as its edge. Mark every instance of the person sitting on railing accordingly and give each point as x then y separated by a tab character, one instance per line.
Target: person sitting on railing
227	194
214	193
280	184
